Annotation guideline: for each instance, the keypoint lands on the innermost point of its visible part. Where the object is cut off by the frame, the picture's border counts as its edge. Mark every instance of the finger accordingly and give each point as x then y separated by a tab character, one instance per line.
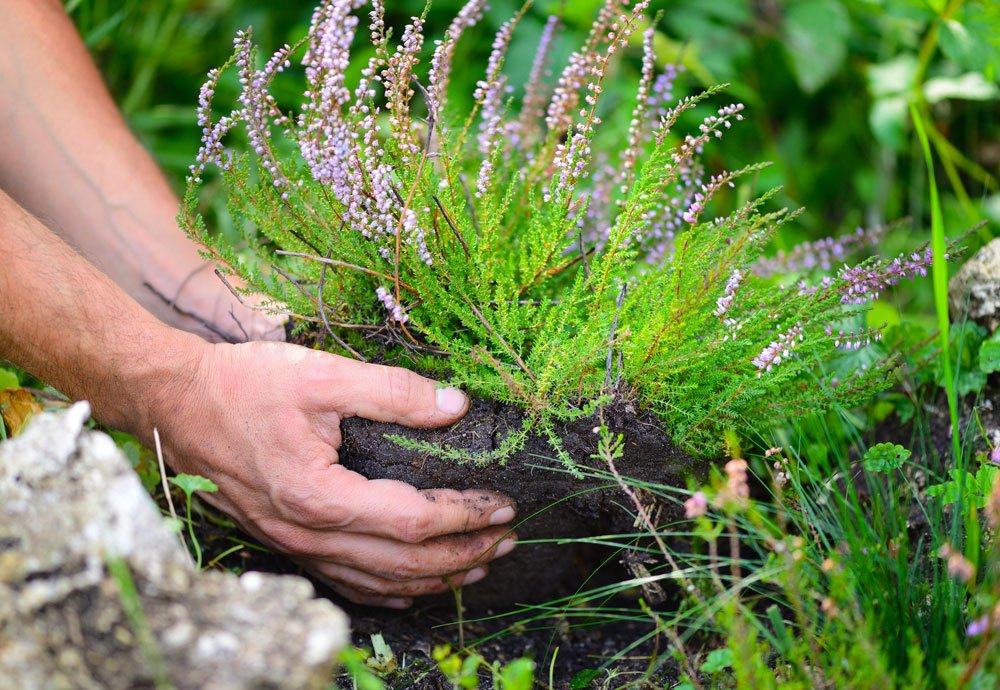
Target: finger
391	394
373	587
369	600
391	560
335	498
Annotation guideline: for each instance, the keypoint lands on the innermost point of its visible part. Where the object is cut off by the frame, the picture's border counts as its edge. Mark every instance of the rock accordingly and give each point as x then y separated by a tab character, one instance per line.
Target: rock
70	505
977	285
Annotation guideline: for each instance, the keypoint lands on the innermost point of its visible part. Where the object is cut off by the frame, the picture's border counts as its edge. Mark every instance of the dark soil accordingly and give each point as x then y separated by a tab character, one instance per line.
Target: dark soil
552	504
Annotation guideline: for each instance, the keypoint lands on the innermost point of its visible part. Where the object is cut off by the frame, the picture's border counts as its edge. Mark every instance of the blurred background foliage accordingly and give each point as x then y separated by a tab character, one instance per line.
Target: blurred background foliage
826	82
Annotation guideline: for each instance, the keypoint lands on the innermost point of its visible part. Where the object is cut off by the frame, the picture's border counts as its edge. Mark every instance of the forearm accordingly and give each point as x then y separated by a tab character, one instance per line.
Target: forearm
67	156
66	322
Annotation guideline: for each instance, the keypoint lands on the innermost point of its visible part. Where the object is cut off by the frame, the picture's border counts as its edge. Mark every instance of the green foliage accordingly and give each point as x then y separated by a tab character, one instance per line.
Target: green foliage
120	572
142	459
543	287
989	354
354	661
8	379
190	484
885	457
464	673
971	490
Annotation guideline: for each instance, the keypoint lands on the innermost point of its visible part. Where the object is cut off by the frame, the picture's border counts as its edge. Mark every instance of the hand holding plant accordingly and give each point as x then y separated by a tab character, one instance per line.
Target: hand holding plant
262	421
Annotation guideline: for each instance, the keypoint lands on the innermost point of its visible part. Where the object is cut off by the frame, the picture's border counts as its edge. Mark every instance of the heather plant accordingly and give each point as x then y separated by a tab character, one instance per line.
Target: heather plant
516	245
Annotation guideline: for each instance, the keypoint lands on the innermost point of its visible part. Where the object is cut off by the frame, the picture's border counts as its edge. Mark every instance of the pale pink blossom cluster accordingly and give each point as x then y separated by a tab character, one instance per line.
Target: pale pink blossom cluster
535	100
732	285
863	284
696	506
704	195
958	566
778	350
444	52
391	305
854	340
822	254
490	93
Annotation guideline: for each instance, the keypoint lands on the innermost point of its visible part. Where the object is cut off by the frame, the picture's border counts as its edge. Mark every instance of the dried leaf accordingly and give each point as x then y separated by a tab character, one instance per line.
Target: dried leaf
17	406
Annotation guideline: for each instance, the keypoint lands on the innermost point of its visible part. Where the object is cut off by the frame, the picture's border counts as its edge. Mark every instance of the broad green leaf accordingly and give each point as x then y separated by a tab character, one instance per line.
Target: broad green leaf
518	675
885	457
989	354
969	87
948	491
893	77
816	34
8	379
718	660
189	483
887	119
962	46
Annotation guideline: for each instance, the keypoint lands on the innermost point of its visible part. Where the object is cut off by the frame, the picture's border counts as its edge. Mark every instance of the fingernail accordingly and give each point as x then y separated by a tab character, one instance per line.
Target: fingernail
398	603
505	547
502	516
473	576
451	401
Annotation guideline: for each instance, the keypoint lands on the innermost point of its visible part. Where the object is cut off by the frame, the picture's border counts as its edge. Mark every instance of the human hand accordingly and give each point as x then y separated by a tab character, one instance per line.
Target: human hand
196	300
262	420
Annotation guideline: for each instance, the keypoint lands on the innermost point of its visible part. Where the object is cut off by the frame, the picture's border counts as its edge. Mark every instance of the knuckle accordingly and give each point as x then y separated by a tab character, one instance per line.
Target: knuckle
299	503
415	526
288	538
404	570
401	388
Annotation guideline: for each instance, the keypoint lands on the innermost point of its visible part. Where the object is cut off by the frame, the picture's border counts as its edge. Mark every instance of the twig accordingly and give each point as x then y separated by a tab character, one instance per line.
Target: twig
166	486
583	255
322	311
451	225
611	340
183	312
431	115
342	264
232	314
510	350
468	200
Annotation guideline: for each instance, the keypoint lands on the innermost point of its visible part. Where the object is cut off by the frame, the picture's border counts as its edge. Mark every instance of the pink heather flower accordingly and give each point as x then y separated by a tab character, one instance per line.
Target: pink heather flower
854	340
778	350
732	285
441	62
864	283
821	254
978	627
696	506
490	92
737	488
211	150
993	504
533	104
697	204
398	90
660	98
959	567
391	306
634	141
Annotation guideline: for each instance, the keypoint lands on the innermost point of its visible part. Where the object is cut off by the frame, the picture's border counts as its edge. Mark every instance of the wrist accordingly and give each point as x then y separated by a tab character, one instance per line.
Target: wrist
158	384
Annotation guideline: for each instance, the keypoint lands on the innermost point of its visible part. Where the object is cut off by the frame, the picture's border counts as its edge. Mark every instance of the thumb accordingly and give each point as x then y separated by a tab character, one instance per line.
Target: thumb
391	394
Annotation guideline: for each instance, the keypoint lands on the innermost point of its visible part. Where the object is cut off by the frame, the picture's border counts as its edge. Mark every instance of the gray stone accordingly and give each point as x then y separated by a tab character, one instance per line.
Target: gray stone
69	505
977	285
